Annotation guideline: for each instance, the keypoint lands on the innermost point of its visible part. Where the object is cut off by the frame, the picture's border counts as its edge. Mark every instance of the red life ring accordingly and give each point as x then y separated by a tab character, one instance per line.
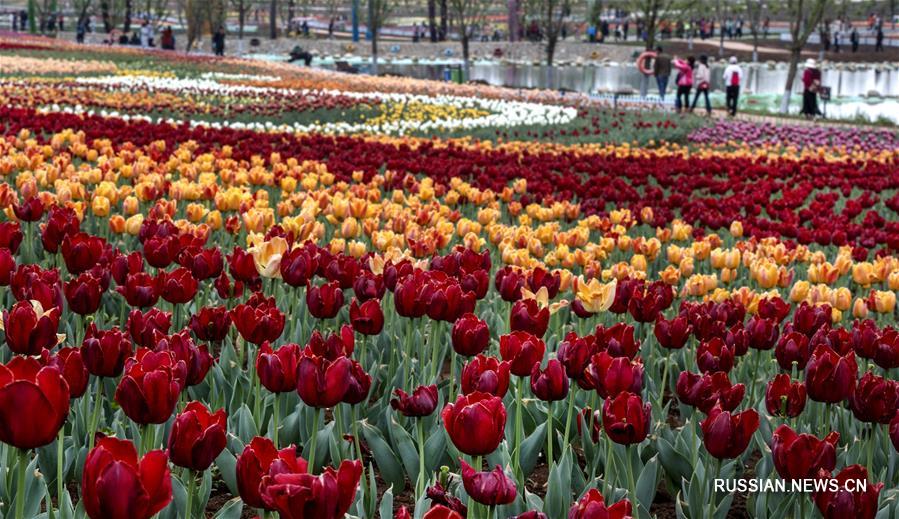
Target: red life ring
642	60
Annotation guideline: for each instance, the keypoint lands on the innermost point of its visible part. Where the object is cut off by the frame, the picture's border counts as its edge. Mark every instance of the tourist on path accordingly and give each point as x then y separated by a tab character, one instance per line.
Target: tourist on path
661	69
733	79
811	82
702	78
684	82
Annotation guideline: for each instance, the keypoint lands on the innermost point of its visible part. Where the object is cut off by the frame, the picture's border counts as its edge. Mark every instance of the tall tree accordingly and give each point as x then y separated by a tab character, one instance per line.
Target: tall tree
469	15
444	20
378	13
241	7
83	10
653	12
432	19
550	16
754	10
203	16
273	19
804	16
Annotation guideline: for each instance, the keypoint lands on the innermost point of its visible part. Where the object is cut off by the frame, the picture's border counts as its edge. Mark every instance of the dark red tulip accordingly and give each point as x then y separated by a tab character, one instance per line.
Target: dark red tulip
407	297
122	265
865	335
799	456
531	514
34	403
63	221
197	437
368	286
672	334
29	328
527	316
225	289
32	282
886	349
11	236
726	435
277	370
763	333
624	290
242	266
367	318
470	335
539	278
618	340
300	495
737	337
143	326
487	375
7	266
83	294
475	423
522	350
792	347
116	484
394	272
341	268
773	308
333	346
894	430
588	417
612	375
297	267
178	286
808	319
509	282
422	401
593	506
140	290
714	355
875	399
82	251
402	513
442	512
784	397
324	301
830	377
848	500
104	351
446	301
575	353
197	358
203	263
488	488
358	384
705	391
254	463
258	320
30	210
70	364
442	498
551	384
151	385
626	418
211	324
321	382
161	251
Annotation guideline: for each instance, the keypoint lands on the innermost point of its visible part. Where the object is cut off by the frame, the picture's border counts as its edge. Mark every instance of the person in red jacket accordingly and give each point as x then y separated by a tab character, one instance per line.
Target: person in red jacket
811	82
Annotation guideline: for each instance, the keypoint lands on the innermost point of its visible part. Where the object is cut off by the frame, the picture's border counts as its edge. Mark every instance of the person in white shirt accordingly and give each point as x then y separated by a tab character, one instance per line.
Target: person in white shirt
733	78
701	79
146	34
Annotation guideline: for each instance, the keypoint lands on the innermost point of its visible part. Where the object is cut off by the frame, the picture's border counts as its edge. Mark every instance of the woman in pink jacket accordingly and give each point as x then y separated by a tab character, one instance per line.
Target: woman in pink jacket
684	82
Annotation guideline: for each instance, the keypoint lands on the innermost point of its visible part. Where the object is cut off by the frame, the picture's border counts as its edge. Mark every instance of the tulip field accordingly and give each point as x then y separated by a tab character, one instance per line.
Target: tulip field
241	289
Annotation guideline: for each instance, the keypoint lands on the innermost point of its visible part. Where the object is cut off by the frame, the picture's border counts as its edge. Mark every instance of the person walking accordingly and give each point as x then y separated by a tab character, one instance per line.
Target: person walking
733	78
684	82
702	78
811	82
167	40
146	34
661	69
218	42
853	39
878	40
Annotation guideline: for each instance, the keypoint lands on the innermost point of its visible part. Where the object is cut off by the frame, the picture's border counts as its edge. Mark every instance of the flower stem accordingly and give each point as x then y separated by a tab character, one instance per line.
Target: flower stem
422	478
518	428
60	477
631	483
312	441
21	465
276	417
191	486
95	416
568	413
549	435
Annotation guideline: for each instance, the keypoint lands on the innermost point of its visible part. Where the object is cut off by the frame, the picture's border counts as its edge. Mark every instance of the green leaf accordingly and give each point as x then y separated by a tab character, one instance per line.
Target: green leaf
435	449
558	494
648	482
405	447
388	463
531	447
385	510
233	509
227	464
676	465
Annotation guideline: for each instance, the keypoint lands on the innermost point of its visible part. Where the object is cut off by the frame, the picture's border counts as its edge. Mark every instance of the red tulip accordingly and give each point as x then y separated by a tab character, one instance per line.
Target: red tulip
763	333
894	431
612	375
7	266
178	286
886	349
784	397
588	417
575	353
593	506
402	513
618	340
333	346
63	222
875	399
531	514
151	385
211	324
488	488
324	302
475	423
358	384
422	401
527	316
143	326
830	377
254	463
10	236
792	347
368	286
321	382
225	289
122	265
798	456
34	403
626	418
672	334
522	350
297	267
197	437
551	384
441	512
845	501
442	498
487	375
277	370
446	301
140	289
82	251
726	435
707	390
367	318
242	266
116	484
808	319
258	320
470	335
203	263
83	294
105	351
70	364
32	282
196	358
864	339
509	282
773	308
407	296
161	251
299	495
30	210
29	328
714	355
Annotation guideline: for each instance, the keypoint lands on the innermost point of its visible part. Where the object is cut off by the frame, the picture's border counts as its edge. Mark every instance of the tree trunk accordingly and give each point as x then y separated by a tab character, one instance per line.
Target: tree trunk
241	19
127	24
373	26
795	54
444	20
651	27
273	19
466	60
432	19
